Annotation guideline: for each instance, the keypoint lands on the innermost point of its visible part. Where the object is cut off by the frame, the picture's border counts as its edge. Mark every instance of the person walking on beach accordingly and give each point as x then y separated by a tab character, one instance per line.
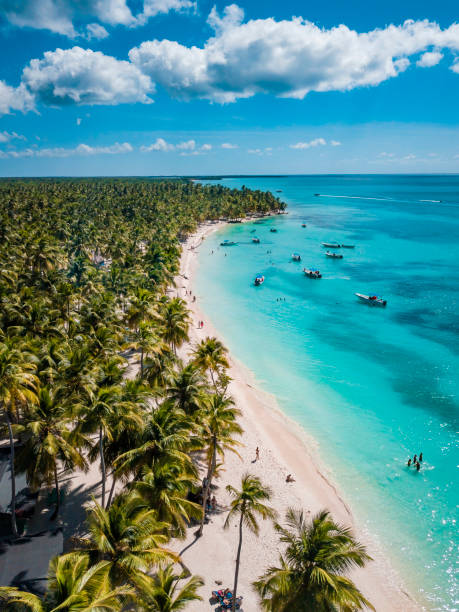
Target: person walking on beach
257	454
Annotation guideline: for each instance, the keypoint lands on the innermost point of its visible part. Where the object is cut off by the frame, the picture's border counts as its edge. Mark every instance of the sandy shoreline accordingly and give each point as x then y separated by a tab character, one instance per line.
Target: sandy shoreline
284	449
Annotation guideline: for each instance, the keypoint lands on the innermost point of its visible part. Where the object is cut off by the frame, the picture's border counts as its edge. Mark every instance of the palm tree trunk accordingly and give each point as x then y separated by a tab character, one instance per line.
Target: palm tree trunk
141	362
102	463
56	484
213	380
210	473
12	476
112	490
238	560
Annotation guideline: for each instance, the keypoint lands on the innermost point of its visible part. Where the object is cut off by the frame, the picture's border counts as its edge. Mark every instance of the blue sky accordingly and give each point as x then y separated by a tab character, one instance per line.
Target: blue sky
148	87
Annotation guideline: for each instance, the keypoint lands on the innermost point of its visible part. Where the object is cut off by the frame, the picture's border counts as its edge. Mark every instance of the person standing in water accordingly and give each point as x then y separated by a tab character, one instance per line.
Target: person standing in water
409	462
418	466
415	458
420	457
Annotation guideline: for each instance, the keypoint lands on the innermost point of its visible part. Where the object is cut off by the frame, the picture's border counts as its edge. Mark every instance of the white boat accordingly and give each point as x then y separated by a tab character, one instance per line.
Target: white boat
373	300
259	280
296	257
312	273
333	255
331	245
226	243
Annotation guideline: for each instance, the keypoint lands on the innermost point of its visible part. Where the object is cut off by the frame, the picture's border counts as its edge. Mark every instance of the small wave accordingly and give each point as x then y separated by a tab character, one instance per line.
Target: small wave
356	197
434	201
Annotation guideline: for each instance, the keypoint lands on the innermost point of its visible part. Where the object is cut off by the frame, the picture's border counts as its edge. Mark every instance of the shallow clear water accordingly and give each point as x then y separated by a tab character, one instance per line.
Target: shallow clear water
372	385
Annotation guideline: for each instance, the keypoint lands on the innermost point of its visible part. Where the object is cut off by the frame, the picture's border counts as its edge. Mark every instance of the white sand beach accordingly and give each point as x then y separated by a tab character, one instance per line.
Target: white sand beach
283	450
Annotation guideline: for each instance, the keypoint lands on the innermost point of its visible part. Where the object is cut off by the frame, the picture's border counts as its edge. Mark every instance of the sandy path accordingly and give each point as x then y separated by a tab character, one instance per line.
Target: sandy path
282	451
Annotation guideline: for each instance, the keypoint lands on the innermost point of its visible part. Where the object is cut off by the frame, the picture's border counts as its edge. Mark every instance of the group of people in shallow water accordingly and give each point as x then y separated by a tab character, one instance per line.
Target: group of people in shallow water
416	462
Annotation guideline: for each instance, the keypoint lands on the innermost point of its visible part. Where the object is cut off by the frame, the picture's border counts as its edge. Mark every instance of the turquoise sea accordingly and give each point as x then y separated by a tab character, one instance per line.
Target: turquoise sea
373	386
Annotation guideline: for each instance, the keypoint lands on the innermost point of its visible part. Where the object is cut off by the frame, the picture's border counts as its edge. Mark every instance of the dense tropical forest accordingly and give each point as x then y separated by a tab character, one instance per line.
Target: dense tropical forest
91	371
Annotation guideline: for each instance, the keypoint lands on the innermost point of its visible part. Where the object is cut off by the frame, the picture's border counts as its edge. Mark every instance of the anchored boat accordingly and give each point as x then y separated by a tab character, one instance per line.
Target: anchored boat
256	240
226	243
331	245
373	300
312	273
296	257
259	280
273	229
303	225
333	255
348	246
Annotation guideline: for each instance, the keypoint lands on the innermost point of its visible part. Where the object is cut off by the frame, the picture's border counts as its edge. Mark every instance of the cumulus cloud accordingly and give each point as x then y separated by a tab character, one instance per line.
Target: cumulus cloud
307	145
7	136
335	143
59	15
429	59
455	66
83	76
81	149
229	145
288	58
15	98
95	31
187	147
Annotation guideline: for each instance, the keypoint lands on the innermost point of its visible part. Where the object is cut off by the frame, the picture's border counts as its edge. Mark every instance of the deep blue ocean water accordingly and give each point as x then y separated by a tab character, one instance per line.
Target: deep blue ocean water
373	386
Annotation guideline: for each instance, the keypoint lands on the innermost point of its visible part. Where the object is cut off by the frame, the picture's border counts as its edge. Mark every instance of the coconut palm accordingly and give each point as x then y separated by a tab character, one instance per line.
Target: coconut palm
142	308
210	355
49	439
248	505
129	537
149	343
102	415
219	430
163	592
18	386
312	572
187	390
74	585
164	487
174	322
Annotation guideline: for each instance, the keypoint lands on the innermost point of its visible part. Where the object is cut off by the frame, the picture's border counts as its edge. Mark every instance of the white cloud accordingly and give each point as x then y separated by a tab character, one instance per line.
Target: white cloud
335	143
59	15
409	156
307	145
83	76
15	98
7	136
189	145
429	59
159	145
255	151
206	147
81	149
96	31
229	145
455	66
385	154
286	58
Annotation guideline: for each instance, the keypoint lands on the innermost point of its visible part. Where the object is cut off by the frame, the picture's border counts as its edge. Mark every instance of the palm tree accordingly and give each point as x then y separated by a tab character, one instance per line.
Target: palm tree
164	487
73	585
210	354
18	386
48	439
187	390
142	308
311	576
219	429
148	342
129	537
248	504
102	415
175	321
162	593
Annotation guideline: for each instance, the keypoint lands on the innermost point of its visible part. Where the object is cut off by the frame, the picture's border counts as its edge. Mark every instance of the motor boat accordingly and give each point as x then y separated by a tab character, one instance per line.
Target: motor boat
348	246
331	245
333	255
312	273
226	243
303	225
256	240
373	300
273	229
296	257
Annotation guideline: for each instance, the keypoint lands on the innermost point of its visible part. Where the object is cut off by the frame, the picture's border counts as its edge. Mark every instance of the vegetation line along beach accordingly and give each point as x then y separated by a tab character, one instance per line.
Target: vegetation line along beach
139	459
